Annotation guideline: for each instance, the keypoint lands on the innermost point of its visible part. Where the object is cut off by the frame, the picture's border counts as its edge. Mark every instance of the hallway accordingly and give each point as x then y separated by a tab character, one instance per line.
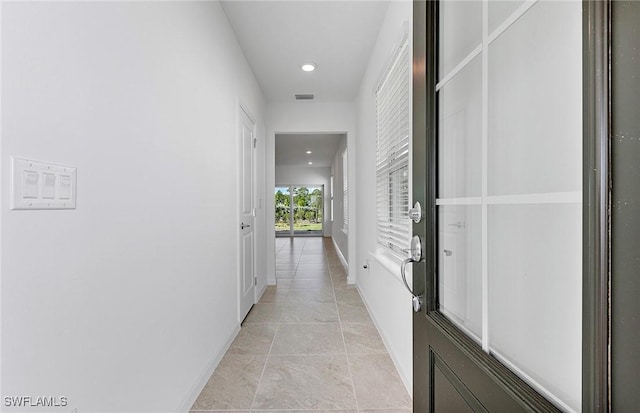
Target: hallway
308	345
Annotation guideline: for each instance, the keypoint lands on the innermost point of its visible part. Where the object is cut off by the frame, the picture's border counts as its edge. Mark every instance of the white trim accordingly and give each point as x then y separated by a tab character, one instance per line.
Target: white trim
344	262
459	201
474	53
574	197
261	291
541	198
202	380
510	20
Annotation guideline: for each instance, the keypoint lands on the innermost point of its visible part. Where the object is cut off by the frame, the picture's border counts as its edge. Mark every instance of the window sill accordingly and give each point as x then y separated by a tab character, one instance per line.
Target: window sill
391	263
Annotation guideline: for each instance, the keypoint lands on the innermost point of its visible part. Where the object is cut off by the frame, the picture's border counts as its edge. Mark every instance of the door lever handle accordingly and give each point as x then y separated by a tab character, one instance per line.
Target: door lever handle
243	226
415	299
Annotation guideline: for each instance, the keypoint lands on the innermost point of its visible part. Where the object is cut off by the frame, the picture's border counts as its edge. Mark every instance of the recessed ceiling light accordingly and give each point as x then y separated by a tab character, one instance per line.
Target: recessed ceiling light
308	152
308	67
310	163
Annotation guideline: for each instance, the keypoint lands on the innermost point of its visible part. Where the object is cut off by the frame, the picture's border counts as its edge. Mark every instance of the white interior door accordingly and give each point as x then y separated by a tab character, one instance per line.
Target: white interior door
247	214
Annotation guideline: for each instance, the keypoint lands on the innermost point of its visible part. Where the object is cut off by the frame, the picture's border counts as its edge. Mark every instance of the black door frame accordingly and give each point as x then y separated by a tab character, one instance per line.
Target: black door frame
596	217
596	200
625	207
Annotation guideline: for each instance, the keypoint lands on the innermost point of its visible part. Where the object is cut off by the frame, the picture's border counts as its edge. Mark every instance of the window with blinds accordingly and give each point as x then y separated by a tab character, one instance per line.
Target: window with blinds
392	168
345	194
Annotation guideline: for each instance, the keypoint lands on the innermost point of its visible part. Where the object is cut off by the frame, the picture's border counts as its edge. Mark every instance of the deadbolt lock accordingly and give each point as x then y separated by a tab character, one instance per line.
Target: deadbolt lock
416	248
415	213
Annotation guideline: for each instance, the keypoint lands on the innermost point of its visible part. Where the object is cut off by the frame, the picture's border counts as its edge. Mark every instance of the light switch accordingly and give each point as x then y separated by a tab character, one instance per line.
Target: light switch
42	185
65	187
30	184
49	186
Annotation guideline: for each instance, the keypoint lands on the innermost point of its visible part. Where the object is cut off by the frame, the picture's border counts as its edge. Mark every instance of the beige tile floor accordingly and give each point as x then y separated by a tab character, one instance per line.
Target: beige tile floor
308	345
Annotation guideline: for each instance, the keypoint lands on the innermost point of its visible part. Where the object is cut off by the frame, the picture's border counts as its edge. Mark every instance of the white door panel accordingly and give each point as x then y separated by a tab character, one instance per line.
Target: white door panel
246	224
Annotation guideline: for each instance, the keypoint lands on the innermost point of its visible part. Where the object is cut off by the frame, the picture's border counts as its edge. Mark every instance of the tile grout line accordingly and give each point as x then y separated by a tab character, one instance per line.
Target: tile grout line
278	323
264	368
344	343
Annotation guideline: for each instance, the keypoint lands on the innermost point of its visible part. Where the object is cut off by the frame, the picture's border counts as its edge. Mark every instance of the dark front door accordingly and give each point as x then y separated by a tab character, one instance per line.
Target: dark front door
506	168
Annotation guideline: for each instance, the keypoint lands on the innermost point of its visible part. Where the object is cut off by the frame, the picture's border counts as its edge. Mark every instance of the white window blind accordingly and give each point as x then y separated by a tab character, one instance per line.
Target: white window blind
392	168
345	190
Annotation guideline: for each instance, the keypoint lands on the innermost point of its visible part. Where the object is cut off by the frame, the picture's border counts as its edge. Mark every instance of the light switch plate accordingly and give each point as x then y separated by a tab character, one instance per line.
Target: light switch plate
42	185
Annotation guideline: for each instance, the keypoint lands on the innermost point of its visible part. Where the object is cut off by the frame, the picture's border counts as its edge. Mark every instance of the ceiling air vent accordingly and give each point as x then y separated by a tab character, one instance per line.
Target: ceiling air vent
305	96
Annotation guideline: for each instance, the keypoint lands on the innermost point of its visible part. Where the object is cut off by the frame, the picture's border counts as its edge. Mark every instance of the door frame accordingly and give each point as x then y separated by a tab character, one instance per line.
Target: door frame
596	200
596	217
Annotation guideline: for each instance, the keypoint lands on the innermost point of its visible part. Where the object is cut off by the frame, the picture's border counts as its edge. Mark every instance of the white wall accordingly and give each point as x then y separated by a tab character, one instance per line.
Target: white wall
380	285
124	304
302	175
340	237
306	117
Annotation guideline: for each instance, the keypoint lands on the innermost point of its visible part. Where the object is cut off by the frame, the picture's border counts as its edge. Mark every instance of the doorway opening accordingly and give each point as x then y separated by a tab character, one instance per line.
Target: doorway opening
299	210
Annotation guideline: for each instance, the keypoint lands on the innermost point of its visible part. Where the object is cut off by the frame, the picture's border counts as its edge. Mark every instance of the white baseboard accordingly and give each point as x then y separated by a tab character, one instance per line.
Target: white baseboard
404	376
342	259
259	294
202	380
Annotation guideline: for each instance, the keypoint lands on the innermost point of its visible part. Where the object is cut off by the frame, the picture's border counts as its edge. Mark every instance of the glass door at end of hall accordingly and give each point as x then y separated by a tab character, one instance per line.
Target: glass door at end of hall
299	210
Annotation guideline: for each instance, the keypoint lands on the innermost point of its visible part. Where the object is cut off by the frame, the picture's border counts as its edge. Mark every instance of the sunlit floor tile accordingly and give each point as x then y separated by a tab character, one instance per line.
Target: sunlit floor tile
362	338
310	313
265	313
253	339
377	383
325	338
233	385
305	382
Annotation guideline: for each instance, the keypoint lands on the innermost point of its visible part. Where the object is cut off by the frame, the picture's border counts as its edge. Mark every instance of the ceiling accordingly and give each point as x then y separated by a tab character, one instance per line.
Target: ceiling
277	37
291	149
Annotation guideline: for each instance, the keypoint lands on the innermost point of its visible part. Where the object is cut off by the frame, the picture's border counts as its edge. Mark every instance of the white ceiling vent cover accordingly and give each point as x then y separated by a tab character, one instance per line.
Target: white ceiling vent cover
305	96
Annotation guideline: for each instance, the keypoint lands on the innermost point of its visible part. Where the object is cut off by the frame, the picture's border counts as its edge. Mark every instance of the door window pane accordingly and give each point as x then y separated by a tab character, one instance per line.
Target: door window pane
460	32
535	102
460	263
499	11
460	133
535	294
